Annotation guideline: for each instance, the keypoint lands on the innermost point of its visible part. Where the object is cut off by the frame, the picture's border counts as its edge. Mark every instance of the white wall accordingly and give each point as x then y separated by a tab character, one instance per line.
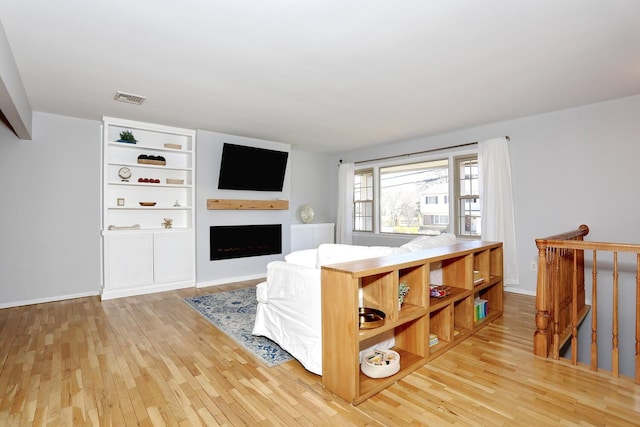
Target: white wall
569	167
50	223
208	155
50	193
311	178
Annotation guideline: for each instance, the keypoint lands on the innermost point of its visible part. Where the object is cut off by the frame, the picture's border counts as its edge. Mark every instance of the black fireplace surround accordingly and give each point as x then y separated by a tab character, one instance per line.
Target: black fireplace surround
240	241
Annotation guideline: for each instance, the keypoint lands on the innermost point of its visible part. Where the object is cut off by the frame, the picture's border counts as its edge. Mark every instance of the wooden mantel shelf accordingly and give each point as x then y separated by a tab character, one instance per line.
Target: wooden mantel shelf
234	204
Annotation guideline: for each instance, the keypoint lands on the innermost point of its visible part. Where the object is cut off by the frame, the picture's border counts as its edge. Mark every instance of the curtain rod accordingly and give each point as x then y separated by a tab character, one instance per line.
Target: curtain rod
420	152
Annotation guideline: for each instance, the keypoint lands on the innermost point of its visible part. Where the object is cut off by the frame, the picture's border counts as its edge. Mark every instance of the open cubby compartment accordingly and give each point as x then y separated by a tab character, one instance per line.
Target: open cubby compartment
151	220
150	138
462	317
494	297
482	265
441	324
165	197
411	349
416	278
141	171
380	291
496	264
129	156
457	272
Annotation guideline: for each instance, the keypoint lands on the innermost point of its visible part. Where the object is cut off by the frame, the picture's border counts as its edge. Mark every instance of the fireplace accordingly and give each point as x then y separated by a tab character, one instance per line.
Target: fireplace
239	241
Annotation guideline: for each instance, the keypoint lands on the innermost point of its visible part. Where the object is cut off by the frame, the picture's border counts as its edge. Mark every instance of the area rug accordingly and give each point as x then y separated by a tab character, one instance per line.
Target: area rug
234	312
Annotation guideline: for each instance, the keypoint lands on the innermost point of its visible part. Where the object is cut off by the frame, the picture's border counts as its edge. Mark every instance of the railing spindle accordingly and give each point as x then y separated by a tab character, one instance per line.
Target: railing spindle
574	310
615	367
594	313
555	279
637	319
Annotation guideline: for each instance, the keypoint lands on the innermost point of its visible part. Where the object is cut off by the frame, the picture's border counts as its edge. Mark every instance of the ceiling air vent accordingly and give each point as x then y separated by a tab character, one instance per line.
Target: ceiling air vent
130	98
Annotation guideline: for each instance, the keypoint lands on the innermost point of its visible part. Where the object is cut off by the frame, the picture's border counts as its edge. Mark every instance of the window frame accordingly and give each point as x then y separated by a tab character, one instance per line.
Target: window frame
458	198
370	202
452	156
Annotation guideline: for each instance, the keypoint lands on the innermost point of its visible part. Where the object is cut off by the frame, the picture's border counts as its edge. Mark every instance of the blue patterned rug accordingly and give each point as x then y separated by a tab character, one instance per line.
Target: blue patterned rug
234	313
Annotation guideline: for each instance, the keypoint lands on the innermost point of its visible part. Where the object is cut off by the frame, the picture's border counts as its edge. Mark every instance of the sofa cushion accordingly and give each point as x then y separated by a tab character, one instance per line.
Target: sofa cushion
333	253
306	257
427	242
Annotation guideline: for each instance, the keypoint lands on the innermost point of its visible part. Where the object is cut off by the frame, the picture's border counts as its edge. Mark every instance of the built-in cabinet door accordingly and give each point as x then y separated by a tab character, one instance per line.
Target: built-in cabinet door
310	236
129	260
173	258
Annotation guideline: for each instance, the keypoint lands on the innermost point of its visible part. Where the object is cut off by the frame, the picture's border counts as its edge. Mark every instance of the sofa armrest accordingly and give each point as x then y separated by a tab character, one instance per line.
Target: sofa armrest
289	282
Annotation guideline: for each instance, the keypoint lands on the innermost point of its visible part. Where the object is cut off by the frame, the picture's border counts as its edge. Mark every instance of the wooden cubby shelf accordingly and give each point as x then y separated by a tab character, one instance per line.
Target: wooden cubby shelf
451	318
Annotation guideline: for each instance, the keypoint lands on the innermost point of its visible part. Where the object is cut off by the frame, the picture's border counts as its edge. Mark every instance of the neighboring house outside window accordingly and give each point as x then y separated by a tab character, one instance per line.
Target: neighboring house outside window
413	198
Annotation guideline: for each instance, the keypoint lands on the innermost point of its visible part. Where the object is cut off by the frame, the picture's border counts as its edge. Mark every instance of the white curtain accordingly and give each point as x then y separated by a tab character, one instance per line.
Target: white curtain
344	224
496	200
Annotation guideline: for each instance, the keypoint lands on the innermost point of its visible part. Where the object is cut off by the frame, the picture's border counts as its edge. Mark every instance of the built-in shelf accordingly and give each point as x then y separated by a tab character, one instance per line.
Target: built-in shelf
237	204
139	254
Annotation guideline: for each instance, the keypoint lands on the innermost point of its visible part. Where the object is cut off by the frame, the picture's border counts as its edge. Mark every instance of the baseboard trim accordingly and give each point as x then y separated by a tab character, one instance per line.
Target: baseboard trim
48	299
519	291
108	294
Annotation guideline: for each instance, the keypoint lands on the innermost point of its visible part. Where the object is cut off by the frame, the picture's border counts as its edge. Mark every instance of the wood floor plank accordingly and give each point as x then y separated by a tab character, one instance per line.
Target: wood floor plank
152	360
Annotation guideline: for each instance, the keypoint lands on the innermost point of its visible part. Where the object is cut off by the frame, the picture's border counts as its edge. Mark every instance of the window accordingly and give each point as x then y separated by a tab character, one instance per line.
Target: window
363	201
414	198
467	197
410	198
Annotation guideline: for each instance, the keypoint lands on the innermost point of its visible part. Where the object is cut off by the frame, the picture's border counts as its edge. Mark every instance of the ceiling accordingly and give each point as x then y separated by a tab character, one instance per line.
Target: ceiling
324	75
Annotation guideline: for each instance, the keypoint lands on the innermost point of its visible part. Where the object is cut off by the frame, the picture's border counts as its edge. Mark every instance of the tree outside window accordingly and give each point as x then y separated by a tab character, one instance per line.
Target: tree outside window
412	198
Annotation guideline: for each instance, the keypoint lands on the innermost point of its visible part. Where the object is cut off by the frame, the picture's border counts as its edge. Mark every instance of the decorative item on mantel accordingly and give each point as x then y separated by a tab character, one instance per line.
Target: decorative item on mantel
127	136
167	223
307	214
403	290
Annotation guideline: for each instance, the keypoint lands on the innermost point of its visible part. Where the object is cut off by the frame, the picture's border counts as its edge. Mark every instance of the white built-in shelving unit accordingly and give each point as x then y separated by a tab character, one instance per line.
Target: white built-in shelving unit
140	255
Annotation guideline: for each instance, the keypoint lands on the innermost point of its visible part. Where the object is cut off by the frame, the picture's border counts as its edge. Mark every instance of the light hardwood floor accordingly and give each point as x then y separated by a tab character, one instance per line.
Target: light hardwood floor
152	360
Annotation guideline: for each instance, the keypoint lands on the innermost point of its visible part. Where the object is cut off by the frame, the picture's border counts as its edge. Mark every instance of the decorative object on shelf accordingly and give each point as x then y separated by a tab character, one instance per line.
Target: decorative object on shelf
120	201
176	204
174	146
124	227
147	203
439	291
124	173
370	318
167	223
149	180
151	160
380	363
175	181
403	290
127	136
306	214
477	277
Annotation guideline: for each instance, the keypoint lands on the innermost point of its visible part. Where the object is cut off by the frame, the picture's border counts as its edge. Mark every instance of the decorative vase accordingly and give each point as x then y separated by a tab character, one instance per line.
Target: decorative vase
306	214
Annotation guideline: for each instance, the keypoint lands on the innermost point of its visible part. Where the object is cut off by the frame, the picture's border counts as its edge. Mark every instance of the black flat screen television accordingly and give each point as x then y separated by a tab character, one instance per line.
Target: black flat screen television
251	168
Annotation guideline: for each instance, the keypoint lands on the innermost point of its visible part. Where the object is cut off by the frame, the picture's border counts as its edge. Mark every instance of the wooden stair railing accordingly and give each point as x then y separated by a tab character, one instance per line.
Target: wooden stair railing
560	296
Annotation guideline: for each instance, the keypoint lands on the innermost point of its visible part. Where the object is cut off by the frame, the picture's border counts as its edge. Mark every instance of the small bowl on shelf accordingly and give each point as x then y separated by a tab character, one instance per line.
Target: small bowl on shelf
380	363
147	203
370	318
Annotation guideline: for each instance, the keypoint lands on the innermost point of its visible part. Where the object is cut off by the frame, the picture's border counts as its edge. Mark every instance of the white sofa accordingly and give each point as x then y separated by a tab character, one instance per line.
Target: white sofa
289	301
